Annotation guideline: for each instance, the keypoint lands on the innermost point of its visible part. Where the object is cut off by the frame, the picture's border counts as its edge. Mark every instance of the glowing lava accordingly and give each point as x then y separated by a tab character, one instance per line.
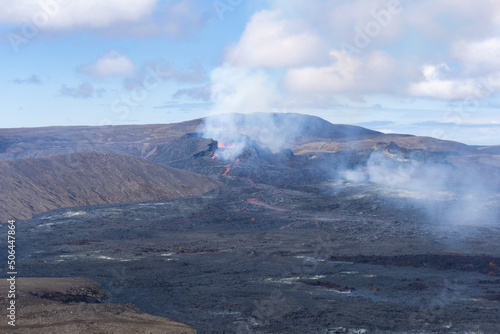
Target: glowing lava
225	153
222	145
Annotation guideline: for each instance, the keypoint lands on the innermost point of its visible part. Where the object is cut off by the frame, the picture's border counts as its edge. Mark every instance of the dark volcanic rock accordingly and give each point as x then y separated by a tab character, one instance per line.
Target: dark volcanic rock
183	148
204	156
254	258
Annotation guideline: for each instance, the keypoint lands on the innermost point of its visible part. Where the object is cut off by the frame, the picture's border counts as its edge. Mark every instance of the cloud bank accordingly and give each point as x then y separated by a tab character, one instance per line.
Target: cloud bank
173	18
314	52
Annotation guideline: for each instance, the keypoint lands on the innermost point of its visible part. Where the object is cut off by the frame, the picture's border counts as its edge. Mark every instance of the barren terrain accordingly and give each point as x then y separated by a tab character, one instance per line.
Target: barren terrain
253	258
73	305
33	186
398	235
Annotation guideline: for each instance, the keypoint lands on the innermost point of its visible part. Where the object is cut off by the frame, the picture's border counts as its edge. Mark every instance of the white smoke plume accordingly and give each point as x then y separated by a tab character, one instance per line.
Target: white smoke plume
244	104
236	90
449	194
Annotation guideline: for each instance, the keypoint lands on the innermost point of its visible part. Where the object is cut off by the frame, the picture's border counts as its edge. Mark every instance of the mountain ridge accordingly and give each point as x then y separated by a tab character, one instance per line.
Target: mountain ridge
144	140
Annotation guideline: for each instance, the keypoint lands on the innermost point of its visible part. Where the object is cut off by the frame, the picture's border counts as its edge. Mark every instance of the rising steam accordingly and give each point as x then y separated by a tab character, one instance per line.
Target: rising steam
457	194
242	104
236	90
241	116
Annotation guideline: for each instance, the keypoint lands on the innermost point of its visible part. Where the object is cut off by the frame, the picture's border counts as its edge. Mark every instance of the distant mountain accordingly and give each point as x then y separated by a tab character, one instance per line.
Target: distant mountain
302	133
32	186
136	140
291	128
405	141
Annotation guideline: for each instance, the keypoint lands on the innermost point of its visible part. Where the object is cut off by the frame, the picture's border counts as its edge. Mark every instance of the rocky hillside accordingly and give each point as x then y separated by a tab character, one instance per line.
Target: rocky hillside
32	186
73	305
137	140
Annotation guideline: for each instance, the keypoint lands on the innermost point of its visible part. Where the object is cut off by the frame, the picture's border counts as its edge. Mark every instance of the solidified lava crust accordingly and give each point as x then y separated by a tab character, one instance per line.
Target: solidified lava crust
277	266
482	264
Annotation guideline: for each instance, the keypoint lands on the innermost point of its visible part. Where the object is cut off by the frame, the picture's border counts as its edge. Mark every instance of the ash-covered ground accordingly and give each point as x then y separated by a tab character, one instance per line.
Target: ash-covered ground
341	236
253	257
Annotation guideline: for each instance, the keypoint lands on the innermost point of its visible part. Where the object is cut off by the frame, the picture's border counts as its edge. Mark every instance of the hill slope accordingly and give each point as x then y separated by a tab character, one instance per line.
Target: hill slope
32	186
73	305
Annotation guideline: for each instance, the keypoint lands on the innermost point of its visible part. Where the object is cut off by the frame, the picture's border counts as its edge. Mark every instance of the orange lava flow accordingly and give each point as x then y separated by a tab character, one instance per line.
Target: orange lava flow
227	171
222	145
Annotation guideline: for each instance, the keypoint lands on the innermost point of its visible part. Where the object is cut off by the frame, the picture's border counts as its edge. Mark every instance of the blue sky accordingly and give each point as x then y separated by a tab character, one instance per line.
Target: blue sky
428	67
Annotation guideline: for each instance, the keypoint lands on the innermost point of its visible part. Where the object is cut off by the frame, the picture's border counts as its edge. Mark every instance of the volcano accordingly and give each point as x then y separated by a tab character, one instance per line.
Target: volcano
280	223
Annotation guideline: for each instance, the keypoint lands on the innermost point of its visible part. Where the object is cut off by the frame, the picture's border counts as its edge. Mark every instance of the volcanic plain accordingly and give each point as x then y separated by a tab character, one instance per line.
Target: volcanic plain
332	233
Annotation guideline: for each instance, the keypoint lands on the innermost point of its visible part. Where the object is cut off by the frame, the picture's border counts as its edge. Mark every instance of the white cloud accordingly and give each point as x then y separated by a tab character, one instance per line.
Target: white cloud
304	39
444	20
336	19
109	65
436	85
478	56
371	74
75	13
444	89
183	17
272	41
138	18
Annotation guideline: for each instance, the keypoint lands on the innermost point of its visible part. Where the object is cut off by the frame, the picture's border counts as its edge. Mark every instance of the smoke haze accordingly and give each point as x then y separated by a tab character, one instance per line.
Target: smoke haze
457	194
